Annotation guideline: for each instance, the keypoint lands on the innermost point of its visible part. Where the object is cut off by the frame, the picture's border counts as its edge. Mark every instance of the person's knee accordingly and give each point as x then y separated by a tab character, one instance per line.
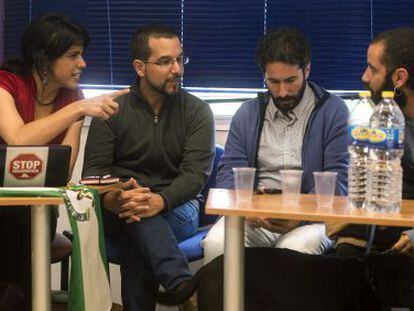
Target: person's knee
184	220
185	213
213	243
309	240
302	246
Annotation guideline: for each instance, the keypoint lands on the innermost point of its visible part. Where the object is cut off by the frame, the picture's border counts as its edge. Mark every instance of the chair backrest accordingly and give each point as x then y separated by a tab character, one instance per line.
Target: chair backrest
211	183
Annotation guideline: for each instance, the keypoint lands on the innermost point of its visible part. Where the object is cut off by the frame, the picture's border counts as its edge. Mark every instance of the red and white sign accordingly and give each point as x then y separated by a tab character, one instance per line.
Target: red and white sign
26	166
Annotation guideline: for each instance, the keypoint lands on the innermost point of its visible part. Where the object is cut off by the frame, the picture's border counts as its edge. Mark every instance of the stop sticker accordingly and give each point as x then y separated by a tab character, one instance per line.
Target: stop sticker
26	166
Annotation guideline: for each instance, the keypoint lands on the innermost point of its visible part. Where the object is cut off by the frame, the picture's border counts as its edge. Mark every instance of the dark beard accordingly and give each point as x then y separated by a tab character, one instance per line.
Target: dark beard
163	87
288	103
388	85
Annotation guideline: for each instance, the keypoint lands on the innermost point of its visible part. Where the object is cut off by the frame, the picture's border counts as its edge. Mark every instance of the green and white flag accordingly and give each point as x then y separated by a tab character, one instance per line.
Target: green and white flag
89	285
89	288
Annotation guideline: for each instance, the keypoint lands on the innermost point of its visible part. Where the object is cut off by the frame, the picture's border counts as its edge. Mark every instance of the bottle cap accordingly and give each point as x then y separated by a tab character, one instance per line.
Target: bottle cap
364	94
387	94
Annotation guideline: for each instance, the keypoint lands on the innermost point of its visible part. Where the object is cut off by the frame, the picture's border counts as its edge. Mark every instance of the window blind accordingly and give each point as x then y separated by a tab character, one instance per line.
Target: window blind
220	36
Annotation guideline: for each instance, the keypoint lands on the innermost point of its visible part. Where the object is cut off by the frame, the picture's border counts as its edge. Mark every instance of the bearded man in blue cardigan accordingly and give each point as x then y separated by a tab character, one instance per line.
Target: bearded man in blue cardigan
296	124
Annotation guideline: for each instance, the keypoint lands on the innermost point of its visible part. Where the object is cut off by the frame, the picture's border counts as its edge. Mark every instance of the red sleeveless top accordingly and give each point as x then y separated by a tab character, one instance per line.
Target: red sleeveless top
23	91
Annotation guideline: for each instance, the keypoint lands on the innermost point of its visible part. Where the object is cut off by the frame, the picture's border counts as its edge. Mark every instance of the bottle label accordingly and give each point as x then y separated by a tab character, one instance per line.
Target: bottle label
386	138
358	135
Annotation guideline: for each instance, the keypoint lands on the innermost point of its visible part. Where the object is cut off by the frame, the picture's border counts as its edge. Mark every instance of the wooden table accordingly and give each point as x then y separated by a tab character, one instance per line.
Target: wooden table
40	223
223	202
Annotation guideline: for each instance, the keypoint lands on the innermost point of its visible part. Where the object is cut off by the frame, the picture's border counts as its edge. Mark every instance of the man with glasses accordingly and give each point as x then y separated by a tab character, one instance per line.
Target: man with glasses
162	142
295	125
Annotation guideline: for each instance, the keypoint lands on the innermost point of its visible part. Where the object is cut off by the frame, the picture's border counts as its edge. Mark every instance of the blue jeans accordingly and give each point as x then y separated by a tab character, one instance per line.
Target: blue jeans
150	255
184	220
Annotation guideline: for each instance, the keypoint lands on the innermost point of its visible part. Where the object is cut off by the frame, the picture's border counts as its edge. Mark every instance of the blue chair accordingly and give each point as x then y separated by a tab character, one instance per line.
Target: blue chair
191	247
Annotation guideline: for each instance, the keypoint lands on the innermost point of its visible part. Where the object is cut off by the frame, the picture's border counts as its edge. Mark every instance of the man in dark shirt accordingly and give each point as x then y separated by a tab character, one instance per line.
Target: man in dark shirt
162	140
390	67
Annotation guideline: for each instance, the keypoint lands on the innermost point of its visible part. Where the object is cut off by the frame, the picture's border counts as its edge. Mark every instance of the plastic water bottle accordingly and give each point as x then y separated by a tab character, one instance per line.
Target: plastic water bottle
358	132
384	187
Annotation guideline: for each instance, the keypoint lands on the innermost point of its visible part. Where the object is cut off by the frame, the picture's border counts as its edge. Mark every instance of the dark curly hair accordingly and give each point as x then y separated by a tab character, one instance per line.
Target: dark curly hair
139	44
46	39
285	45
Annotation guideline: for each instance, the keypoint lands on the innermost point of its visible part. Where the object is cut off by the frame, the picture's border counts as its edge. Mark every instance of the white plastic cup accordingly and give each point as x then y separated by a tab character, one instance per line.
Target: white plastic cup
291	185
325	187
243	183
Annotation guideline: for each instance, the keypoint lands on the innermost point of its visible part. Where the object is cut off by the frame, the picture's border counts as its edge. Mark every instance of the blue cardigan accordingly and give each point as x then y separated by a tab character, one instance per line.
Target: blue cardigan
325	144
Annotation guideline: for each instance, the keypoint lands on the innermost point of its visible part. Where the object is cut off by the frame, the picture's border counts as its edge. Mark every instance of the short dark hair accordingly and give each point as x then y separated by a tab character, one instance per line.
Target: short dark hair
139	45
285	45
46	39
398	51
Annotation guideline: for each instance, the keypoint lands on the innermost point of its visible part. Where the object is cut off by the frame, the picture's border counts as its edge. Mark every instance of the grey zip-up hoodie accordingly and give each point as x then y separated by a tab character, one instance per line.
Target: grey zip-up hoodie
171	153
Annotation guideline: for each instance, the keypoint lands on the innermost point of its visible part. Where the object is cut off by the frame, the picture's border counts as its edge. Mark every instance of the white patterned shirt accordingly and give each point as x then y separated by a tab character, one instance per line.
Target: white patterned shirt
281	140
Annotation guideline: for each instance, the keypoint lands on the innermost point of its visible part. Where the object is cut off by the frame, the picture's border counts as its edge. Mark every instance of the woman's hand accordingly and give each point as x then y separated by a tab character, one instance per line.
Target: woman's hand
102	106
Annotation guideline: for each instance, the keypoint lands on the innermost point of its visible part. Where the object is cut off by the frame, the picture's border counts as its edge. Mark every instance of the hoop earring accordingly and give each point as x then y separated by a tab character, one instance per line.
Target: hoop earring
45	80
397	92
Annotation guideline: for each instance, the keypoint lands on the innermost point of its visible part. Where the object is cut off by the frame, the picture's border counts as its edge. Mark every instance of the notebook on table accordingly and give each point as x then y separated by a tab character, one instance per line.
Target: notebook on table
34	166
